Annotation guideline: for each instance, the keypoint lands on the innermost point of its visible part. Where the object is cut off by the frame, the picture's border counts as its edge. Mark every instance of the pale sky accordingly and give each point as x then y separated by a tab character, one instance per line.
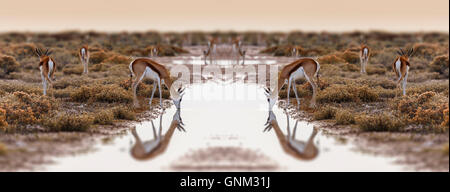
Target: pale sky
238	15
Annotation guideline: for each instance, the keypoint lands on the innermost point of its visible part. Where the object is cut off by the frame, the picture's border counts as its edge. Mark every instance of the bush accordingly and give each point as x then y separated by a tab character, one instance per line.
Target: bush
330	59
428	108
77	70
118	59
68	122
101	93
17	86
339	93
344	117
350	57
97	57
104	117
123	112
379	122
325	112
8	64
3	122
25	109
440	64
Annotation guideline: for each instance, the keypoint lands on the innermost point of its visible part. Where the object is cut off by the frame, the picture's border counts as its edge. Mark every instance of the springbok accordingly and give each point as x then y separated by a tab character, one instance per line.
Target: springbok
211	50
144	67
237	50
84	58
401	67
299	149
364	55
153	51
295	51
152	148
305	67
47	66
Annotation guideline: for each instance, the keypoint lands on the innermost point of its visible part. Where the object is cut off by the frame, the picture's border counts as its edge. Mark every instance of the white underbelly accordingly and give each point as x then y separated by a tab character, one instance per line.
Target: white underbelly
365	51
149	73
299	73
83	52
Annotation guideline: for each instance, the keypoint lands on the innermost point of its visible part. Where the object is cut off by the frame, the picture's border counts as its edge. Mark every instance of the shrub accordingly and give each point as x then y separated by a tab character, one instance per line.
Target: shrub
330	59
17	86
101	93
24	109
99	67
77	70
68	122
344	117
118	59
8	64
123	112
428	108
3	122
426	50
325	112
339	93
97	57
104	117
440	64
371	70
350	57
378	122
351	67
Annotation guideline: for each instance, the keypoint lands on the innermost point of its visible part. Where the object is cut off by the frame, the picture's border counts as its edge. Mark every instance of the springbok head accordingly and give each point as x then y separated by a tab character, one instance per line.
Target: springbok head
409	53
272	97
42	54
177	96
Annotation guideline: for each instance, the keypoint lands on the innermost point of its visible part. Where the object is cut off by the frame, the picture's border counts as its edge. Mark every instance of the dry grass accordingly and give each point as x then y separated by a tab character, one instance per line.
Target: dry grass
379	122
68	122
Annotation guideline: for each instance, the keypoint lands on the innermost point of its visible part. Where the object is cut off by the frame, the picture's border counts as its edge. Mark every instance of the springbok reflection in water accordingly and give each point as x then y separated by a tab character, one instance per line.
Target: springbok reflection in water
144	150
304	150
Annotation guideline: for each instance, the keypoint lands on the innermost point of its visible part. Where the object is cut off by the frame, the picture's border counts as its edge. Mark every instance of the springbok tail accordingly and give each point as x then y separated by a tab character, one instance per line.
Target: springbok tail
317	74
131	72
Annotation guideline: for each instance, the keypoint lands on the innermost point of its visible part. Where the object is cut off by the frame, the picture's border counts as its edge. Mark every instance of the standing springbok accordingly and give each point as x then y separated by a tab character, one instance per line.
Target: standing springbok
84	58
305	67
144	67
401	67
364	55
47	66
237	50
153	51
211	50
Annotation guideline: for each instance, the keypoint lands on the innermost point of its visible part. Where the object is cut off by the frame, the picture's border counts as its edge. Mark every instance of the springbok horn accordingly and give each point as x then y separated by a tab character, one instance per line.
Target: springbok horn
46	51
49	52
37	52
403	53
399	53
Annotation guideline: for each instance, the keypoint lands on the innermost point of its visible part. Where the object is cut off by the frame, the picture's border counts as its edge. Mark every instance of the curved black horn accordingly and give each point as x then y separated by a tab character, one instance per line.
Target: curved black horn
37	52
403	53
46	51
399	52
49	52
